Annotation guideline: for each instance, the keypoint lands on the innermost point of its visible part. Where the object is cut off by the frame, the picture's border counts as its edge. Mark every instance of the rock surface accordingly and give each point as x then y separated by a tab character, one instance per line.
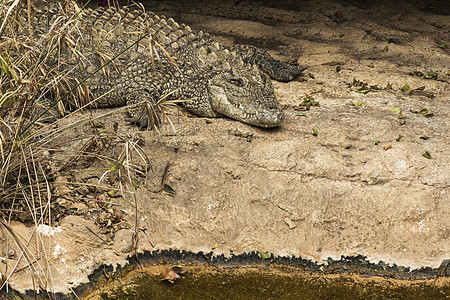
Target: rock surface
361	186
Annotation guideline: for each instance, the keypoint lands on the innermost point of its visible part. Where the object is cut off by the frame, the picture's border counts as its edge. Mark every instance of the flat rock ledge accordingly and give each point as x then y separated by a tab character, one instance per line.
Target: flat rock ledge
368	192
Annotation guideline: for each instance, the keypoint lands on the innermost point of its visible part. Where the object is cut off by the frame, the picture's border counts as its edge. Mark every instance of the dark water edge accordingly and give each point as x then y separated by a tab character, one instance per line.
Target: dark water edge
264	284
358	265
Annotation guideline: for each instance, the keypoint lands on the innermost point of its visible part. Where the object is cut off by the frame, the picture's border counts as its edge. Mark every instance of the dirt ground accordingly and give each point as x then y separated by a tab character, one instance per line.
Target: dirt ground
362	185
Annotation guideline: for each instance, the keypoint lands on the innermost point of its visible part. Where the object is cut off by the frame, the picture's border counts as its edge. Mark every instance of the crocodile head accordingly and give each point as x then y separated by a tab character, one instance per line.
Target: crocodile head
247	95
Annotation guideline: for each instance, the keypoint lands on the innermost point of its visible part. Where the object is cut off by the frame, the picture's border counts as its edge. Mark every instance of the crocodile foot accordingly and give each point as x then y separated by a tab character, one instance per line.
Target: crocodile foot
275	69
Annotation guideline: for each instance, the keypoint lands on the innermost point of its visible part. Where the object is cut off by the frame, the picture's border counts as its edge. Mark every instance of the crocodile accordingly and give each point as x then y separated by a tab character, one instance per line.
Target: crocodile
150	57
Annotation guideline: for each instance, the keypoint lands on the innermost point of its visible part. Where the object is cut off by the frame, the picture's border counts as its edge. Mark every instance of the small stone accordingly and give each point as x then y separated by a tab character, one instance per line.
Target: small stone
290	223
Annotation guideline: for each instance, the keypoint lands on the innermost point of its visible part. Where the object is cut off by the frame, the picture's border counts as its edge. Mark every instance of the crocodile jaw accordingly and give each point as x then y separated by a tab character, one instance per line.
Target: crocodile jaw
259	107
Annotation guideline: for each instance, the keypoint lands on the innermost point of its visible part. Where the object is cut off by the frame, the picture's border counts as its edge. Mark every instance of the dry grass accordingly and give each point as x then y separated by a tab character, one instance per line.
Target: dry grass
31	90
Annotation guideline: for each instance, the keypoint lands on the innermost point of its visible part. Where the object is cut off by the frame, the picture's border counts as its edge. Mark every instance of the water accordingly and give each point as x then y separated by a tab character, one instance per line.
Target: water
268	283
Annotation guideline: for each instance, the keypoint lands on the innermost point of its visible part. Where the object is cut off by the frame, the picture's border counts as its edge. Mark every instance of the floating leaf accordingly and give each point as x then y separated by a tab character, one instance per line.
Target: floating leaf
264	255
315	132
395	109
400	115
356	103
169	189
399	138
301	114
442	46
215	246
423	111
426	155
405	88
169	275
387	147
429	115
346	146
178	266
377	142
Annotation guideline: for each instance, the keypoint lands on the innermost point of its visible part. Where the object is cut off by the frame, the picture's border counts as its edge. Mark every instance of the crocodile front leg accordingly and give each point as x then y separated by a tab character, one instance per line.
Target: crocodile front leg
142	108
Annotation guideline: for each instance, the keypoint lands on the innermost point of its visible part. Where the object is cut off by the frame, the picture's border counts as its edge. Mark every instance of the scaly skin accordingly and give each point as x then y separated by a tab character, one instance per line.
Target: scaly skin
168	61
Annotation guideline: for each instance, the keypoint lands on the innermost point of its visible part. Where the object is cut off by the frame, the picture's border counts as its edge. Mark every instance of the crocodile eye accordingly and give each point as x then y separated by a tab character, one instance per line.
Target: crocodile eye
237	81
